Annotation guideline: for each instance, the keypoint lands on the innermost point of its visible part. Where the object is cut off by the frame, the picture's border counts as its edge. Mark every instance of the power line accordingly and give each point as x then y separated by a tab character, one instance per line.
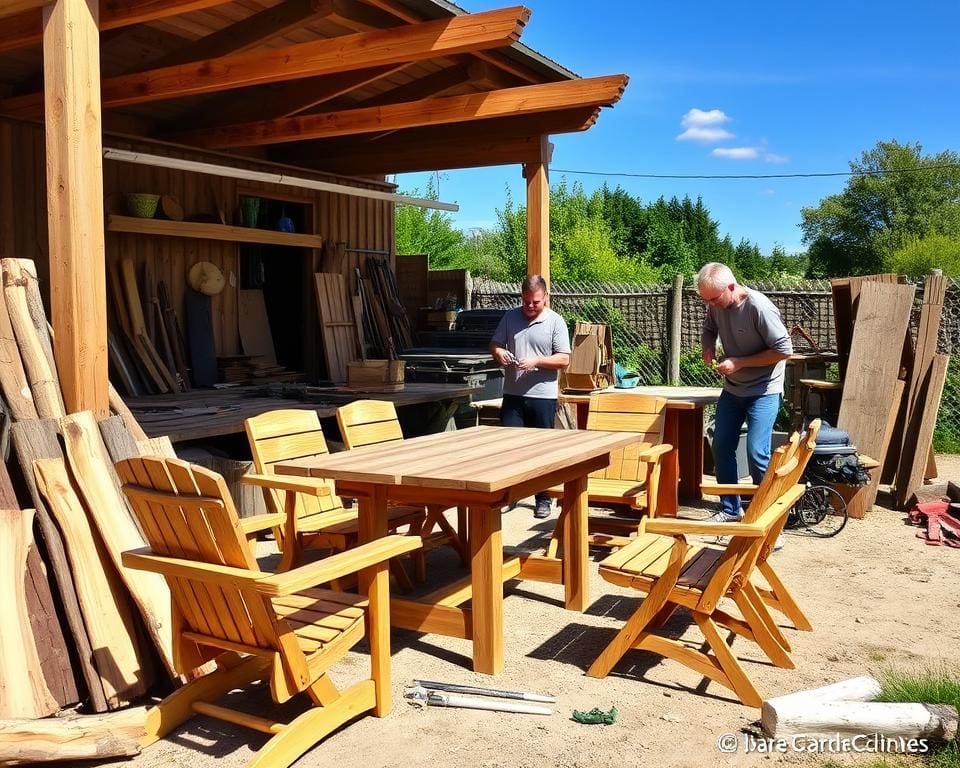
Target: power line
758	175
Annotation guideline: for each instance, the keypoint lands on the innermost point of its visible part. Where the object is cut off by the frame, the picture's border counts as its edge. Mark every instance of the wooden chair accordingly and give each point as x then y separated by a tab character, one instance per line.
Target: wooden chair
374	422
318	521
674	574
633	476
279	628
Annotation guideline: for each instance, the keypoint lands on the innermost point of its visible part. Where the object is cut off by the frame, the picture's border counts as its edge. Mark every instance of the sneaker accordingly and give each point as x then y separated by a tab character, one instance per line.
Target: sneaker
543	509
723	517
779	543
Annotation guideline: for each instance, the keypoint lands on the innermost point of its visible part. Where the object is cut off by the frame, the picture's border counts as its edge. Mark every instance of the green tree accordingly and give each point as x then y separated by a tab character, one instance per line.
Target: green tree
898	194
919	255
430	231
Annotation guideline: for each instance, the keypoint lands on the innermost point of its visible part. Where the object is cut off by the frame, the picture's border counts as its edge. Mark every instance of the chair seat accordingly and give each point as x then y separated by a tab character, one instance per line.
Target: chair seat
320	616
606	491
641	562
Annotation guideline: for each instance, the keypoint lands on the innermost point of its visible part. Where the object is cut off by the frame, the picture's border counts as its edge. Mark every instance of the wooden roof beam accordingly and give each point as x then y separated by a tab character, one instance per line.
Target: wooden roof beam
26	29
424	87
13	7
431	39
250	33
508	102
476	144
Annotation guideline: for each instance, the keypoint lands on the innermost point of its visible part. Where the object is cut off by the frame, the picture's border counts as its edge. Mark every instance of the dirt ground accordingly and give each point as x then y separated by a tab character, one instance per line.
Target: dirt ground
876	595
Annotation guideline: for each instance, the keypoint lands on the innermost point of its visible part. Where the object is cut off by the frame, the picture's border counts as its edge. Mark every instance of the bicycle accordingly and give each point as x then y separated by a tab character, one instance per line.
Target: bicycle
821	510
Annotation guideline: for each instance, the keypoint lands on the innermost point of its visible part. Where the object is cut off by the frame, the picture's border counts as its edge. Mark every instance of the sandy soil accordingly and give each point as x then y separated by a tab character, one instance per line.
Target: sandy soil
876	595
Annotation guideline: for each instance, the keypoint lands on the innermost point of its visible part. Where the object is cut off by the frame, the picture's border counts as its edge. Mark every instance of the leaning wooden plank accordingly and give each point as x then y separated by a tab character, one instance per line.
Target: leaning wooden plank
118	441
25	693
138	329
106	505
38	315
120	408
43	384
922	425
13	379
156	446
72	737
38	440
336	322
103	599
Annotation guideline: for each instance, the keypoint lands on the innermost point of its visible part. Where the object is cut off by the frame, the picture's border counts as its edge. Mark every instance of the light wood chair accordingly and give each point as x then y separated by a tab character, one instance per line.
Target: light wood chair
279	628
375	422
633	475
319	521
674	574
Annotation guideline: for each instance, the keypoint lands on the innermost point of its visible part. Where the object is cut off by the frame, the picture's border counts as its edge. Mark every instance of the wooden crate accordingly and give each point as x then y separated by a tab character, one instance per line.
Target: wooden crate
376	373
441	320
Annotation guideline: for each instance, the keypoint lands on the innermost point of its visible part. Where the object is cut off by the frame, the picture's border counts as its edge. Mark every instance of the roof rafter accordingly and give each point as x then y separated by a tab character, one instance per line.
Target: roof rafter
13	7
508	102
26	29
459	34
480	143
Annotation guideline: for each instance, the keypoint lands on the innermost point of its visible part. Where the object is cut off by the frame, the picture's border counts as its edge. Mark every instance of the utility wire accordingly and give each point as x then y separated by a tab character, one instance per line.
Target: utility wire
759	175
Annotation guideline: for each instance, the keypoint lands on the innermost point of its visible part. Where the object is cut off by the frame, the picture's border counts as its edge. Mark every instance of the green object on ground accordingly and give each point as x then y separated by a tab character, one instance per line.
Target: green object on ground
596	716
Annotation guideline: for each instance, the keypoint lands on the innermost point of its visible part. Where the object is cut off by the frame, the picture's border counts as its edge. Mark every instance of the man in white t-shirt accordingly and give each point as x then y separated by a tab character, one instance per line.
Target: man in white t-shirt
533	344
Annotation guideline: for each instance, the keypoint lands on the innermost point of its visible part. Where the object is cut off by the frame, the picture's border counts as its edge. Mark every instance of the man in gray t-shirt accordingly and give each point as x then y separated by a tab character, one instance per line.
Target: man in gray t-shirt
533	344
755	347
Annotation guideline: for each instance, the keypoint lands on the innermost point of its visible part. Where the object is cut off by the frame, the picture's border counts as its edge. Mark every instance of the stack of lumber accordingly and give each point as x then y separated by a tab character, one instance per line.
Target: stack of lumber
388	330
77	628
884	373
245	369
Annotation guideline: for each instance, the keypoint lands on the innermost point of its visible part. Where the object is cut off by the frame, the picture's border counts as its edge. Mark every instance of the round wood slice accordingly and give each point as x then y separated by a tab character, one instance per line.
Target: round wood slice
171	208
206	277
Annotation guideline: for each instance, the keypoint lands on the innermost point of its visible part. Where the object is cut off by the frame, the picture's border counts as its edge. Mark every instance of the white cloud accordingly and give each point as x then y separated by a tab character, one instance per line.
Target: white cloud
768	192
703	125
770	157
707	135
736	153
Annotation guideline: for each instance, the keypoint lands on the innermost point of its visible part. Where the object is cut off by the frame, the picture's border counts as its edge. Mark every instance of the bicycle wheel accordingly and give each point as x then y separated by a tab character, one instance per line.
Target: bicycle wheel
822	511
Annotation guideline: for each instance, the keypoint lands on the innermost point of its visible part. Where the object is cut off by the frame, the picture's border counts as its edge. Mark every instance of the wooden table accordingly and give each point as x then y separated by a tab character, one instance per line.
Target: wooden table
485	469
683	429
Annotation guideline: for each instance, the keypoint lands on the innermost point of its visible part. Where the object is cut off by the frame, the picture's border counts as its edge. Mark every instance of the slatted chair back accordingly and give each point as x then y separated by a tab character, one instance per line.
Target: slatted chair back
285	435
616	412
368	422
187	513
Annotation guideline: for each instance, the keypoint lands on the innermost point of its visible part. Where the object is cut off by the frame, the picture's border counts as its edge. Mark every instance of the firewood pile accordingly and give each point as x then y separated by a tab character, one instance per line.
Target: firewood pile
79	631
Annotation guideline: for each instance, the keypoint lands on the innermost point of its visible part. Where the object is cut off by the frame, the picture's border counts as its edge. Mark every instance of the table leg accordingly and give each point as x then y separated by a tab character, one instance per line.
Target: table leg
690	427
576	579
486	568
375	584
670	466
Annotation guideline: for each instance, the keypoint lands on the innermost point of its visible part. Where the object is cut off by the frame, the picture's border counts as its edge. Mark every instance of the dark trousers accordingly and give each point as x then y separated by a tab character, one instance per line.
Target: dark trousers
518	411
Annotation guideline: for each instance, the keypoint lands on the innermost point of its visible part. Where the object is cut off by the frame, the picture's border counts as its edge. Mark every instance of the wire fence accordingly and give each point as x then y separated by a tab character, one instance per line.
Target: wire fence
640	318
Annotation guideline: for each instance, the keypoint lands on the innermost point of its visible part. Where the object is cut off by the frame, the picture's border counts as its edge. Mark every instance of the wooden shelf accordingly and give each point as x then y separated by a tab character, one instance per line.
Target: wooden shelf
203	231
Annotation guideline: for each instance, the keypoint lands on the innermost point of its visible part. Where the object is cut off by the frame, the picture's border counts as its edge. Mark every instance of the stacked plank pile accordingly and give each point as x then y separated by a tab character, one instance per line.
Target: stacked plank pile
77	628
388	326
891	388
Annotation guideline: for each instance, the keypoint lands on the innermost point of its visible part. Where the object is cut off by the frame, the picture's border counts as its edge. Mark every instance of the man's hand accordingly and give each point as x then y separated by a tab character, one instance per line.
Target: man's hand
728	365
503	356
528	364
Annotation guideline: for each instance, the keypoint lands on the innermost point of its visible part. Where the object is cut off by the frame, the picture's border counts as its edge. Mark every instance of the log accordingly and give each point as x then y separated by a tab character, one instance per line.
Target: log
72	737
118	441
38	440
13	379
846	708
23	690
103	600
42	377
108	510
156	446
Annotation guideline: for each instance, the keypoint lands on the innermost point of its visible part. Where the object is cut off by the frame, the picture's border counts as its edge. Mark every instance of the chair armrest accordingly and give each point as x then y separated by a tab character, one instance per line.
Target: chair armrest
728	489
337	566
670	526
313	486
262	522
144	559
653	455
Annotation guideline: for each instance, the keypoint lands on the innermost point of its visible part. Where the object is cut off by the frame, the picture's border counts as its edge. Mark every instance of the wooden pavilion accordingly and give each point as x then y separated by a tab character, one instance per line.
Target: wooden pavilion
339	93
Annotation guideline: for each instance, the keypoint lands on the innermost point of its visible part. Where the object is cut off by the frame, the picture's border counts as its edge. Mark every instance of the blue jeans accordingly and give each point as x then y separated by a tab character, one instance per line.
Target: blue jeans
518	411
760	413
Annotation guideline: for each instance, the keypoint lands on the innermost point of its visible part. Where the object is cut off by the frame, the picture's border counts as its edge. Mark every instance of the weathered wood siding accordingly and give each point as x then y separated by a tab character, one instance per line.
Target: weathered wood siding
361	223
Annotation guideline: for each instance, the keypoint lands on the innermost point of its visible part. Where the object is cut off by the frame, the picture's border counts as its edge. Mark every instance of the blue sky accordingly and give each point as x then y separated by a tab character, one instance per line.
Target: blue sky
796	88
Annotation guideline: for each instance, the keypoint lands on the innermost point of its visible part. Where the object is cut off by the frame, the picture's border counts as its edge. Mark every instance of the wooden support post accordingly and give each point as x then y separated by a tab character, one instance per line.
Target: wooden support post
538	212
676	318
71	59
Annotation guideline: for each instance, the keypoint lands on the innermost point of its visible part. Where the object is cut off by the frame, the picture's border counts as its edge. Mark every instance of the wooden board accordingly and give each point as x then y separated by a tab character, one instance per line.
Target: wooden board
203	353
255	334
883	314
107	507
103	600
336	322
13	378
35	440
920	429
25	693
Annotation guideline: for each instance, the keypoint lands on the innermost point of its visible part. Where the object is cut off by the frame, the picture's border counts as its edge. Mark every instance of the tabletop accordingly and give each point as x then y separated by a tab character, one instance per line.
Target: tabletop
696	395
486	459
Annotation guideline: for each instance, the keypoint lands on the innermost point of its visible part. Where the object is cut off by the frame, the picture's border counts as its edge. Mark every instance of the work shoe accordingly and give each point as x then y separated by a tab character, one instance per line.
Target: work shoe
723	517
543	509
778	545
